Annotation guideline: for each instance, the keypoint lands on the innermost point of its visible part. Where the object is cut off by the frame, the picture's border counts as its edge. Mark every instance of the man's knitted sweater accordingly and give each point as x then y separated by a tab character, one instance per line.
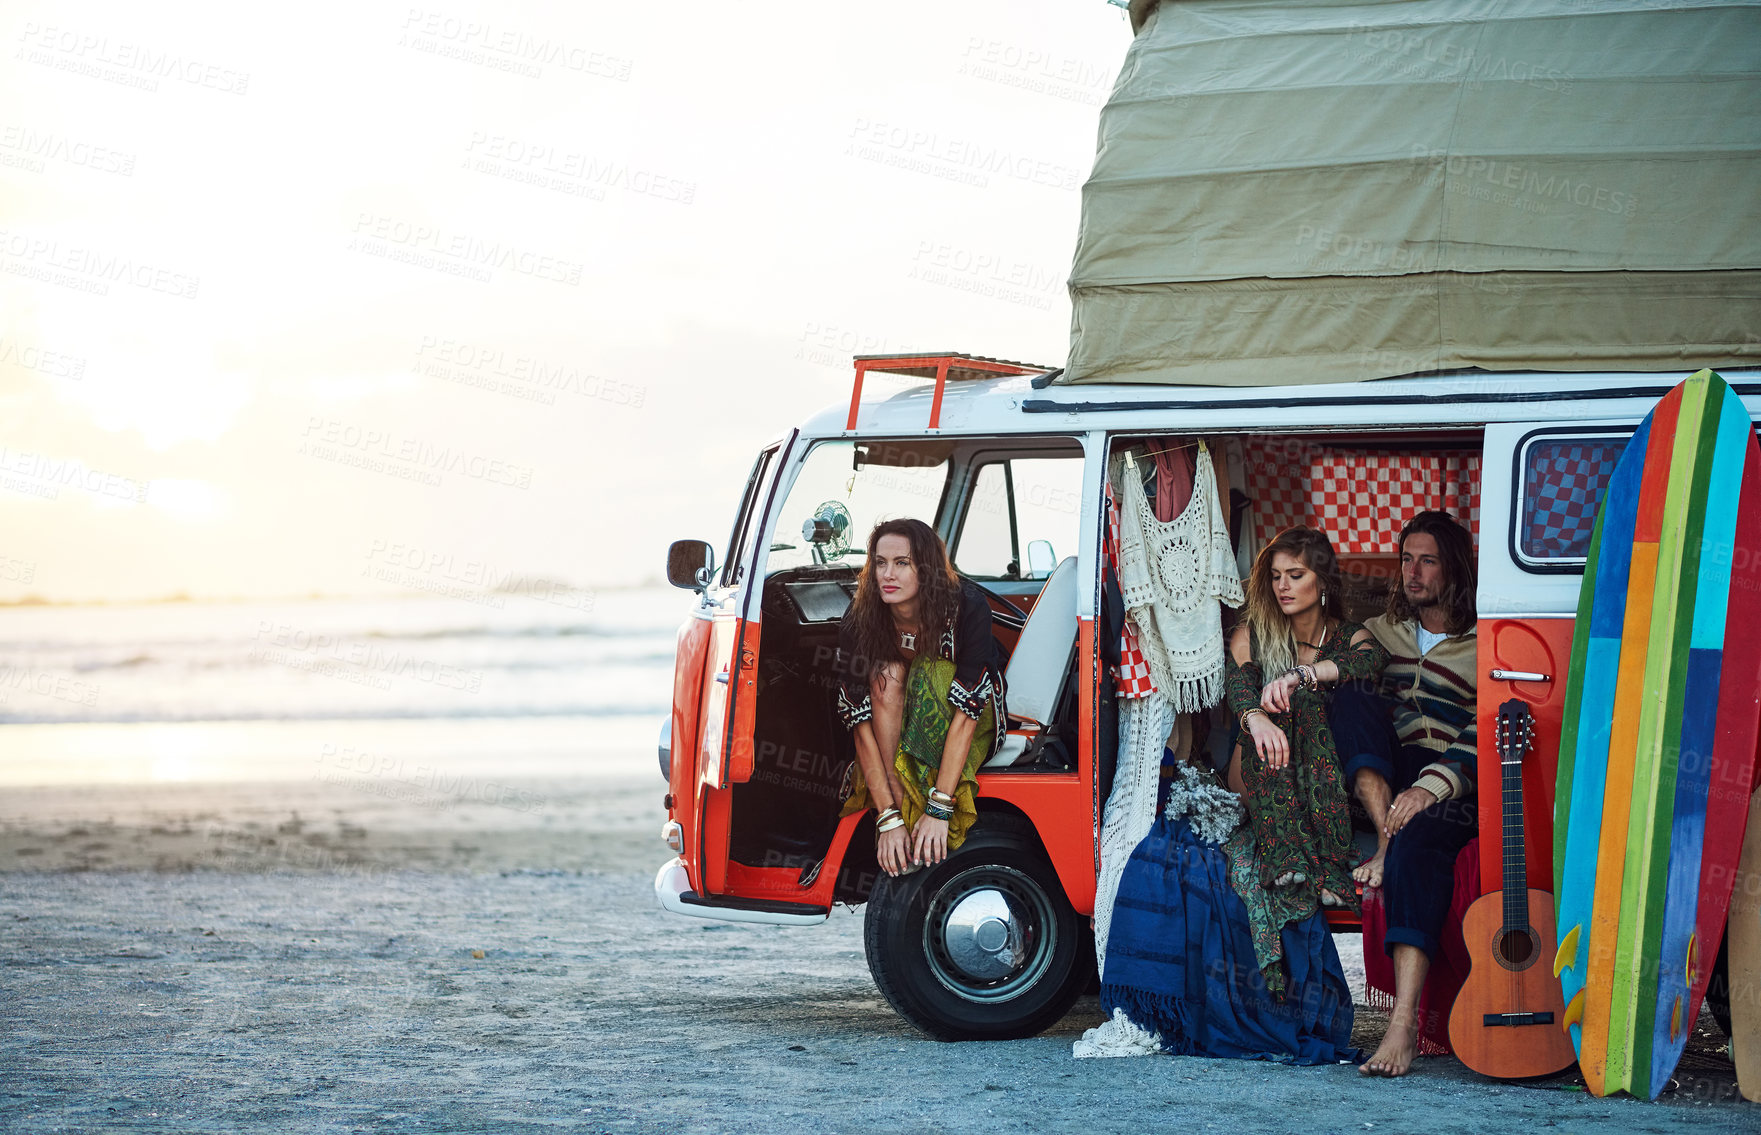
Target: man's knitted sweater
1433	699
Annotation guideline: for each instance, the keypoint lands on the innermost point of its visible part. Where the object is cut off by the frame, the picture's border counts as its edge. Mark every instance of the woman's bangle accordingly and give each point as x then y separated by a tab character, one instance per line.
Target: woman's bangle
940	797
1247	713
887	821
1305	676
937	811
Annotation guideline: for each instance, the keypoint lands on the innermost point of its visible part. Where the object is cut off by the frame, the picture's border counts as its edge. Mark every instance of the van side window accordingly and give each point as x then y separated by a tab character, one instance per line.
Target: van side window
1022	519
1561	486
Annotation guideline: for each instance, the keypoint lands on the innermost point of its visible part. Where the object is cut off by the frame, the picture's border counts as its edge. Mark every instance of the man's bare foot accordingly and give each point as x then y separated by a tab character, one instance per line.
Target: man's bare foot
1369	872
1288	878
1328	898
1394	1058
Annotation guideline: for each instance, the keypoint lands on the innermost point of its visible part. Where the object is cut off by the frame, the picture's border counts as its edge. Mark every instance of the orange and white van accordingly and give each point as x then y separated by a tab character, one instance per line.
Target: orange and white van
1010	470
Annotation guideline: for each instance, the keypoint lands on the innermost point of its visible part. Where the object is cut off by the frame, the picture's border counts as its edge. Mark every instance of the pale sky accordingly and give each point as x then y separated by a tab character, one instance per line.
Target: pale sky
286	295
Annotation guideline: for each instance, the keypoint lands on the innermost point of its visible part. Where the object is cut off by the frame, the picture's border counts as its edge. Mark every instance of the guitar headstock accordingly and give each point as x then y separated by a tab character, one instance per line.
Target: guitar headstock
1516	730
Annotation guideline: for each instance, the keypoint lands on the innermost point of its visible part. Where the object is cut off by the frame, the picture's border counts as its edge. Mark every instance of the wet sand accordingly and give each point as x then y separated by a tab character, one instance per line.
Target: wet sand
323	956
355	824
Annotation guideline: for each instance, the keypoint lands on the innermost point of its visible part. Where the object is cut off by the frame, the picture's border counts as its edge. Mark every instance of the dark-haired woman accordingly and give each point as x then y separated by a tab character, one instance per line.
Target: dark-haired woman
1296	645
921	690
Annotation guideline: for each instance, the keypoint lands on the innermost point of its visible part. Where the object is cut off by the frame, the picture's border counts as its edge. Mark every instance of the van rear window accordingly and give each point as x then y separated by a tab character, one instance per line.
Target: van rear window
1563	480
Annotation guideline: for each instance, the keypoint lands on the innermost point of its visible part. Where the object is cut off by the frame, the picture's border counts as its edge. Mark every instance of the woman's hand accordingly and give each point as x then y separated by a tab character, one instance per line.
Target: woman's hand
1270	742
1275	698
929	841
893	849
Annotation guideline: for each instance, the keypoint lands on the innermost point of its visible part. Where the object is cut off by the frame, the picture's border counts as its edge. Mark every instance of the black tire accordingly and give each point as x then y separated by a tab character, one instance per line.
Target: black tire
1718	986
1027	954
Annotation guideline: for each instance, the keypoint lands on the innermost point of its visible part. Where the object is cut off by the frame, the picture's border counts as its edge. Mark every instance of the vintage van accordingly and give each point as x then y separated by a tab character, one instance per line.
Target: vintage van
1010	468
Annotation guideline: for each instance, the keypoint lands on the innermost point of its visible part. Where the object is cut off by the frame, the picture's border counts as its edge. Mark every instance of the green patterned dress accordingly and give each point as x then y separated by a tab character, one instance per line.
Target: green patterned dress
1299	822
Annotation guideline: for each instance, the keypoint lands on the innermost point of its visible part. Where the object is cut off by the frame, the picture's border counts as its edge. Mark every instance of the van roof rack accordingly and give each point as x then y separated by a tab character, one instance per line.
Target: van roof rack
941	366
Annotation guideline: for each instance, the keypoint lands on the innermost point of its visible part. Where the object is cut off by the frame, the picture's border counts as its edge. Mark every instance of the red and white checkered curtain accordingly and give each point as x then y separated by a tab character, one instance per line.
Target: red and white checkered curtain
1359	497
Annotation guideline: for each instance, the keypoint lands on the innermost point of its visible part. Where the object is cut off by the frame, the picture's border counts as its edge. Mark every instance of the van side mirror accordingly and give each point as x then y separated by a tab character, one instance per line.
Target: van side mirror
690	564
1040	559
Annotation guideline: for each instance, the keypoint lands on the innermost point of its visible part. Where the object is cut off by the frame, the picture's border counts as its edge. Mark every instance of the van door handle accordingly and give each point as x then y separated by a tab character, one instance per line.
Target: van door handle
1519	676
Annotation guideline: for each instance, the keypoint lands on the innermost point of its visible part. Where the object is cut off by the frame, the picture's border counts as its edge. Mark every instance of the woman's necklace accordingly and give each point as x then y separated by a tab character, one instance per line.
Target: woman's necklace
907	641
1316	646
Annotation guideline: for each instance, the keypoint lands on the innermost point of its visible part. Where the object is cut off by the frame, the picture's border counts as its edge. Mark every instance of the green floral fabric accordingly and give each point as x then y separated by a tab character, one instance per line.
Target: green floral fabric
1299	823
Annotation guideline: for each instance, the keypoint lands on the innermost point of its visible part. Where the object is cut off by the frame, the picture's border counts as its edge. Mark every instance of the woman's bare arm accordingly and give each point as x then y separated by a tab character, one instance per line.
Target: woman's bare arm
874	770
892	848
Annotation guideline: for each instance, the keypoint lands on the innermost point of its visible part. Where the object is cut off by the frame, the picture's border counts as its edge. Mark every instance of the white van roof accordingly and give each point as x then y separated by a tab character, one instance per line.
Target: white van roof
1017	405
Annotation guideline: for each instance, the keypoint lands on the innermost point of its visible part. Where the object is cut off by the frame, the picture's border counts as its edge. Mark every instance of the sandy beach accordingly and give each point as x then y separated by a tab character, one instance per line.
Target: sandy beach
323	956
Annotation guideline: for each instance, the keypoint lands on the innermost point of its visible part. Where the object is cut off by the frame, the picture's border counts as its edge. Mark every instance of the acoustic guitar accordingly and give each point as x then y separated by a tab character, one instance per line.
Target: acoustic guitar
1507	1017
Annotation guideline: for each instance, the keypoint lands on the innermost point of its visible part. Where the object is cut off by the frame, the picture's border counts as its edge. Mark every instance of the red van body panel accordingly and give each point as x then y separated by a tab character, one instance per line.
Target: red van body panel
689	663
1535	645
1063	807
745	686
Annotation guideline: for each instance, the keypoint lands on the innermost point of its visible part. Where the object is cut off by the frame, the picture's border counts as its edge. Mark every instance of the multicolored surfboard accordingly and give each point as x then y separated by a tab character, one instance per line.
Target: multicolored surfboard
1652	794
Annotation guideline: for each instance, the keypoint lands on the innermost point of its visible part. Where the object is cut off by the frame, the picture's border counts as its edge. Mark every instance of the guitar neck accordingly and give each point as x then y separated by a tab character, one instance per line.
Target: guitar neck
1513	744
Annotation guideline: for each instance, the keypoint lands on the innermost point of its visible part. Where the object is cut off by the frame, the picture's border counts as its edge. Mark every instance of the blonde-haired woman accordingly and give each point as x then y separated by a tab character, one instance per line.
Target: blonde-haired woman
1293	647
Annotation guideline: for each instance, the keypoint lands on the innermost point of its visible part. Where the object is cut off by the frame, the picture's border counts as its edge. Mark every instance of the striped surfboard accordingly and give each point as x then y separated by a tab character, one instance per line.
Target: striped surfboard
1645	778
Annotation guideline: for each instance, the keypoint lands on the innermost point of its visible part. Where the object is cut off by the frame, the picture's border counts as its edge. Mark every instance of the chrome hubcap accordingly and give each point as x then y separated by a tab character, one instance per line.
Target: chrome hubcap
981	935
990	934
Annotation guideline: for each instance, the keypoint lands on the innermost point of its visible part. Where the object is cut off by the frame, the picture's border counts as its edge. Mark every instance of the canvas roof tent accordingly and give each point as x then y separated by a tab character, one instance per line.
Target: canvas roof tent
1327	191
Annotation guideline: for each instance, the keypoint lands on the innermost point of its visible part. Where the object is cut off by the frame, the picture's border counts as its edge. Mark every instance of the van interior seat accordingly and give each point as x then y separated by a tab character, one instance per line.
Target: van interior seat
1039	664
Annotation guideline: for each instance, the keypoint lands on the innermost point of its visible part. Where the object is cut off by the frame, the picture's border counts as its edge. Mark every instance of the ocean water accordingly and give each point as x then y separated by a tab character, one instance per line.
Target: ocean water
494	684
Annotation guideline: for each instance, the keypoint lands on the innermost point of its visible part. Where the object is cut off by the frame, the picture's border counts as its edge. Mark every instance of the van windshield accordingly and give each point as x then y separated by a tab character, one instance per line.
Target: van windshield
845	488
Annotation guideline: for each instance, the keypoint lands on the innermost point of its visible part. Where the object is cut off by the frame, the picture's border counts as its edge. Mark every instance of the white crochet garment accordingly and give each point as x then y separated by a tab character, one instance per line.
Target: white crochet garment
1172	576
1144	724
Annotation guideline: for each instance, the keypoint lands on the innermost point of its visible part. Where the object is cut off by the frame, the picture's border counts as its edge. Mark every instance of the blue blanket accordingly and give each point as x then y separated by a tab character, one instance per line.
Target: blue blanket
1180	960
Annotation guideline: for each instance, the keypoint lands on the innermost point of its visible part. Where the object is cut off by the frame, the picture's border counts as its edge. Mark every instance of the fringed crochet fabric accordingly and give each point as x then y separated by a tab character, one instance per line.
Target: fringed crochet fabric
1144	724
1116	1037
1172	576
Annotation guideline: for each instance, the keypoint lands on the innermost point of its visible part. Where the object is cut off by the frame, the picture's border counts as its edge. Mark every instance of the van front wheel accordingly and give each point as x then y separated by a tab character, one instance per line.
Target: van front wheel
982	946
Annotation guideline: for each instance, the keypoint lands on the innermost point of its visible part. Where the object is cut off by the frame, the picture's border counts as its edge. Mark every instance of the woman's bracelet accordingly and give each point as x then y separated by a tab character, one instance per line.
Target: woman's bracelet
937	796
1305	676
936	810
1247	713
888	819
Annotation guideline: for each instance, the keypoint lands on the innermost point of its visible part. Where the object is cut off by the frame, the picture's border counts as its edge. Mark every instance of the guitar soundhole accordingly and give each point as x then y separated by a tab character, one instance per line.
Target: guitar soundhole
1516	950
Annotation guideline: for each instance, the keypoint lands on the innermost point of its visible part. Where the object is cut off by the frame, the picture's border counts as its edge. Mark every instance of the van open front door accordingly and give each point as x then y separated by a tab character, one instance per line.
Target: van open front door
715	699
